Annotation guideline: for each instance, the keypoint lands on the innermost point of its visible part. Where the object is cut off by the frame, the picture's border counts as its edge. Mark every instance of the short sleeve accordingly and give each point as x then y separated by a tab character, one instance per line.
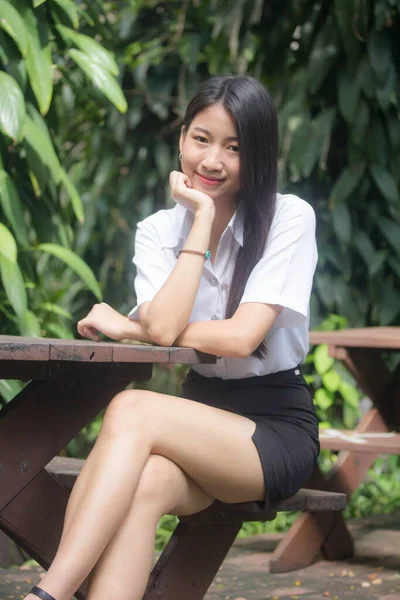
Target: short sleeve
152	265
284	274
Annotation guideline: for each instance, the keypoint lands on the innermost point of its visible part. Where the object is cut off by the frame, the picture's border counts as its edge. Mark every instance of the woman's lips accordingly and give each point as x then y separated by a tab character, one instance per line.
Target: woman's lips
209	181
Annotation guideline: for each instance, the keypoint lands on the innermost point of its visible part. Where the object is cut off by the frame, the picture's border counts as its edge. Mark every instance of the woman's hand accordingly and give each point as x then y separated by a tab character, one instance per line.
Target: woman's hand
183	193
104	319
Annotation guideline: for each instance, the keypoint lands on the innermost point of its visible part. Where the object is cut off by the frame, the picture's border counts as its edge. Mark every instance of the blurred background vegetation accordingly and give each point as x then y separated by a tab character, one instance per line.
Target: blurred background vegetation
91	98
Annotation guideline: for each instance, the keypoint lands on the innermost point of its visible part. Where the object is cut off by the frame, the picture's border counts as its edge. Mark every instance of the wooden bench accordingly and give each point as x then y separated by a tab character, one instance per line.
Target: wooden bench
200	542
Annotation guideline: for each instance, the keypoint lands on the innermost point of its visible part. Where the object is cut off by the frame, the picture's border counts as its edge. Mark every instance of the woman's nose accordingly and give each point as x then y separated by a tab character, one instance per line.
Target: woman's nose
212	160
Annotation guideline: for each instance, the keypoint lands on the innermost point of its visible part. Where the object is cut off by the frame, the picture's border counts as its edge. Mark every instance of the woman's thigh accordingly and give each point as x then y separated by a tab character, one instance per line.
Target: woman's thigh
213	446
164	488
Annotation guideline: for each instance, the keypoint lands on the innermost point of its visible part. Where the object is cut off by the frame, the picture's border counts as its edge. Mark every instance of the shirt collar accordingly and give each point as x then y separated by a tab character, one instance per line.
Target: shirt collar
182	222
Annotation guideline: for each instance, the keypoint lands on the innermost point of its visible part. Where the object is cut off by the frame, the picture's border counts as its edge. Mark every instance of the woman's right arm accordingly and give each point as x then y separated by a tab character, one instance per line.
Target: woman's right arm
168	313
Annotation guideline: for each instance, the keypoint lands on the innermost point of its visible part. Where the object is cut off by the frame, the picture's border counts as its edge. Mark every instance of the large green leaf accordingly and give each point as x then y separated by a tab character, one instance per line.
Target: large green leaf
385	183
76	264
364	246
70	8
348	94
345	14
13	24
379	52
391	232
12	207
346	184
8	247
101	79
29	324
341	220
40	142
73	195
322	361
93	50
39	64
12	107
14	285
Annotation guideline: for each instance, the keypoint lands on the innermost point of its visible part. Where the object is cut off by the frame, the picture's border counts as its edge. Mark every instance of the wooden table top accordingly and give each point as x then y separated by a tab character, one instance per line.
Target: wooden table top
387	338
47	349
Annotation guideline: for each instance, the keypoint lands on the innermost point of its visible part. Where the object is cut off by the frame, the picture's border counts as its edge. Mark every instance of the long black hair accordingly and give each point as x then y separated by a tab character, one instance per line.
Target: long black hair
254	113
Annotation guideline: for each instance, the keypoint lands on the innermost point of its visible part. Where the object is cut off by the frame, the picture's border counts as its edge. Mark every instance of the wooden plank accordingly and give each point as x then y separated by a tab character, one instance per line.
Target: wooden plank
23	348
190	356
336	440
387	338
18	348
74	371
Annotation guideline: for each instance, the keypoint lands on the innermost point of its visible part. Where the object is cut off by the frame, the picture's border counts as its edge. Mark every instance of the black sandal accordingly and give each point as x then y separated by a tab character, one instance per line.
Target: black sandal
37	591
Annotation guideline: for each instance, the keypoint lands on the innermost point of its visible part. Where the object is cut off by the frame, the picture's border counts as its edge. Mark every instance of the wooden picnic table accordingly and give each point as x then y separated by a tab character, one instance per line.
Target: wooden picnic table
70	382
361	351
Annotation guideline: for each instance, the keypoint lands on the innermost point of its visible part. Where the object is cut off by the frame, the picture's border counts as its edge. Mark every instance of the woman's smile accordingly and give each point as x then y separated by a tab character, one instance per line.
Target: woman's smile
209	180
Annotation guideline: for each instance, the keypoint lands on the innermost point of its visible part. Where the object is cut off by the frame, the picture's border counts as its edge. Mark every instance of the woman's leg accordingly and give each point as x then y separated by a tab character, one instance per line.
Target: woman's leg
212	446
124	567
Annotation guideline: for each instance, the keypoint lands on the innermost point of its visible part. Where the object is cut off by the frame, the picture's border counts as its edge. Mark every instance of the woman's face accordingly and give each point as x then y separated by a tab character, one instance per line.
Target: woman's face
210	153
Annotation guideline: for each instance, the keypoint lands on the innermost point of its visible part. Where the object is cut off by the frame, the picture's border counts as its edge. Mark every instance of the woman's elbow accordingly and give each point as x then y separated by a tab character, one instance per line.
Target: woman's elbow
161	337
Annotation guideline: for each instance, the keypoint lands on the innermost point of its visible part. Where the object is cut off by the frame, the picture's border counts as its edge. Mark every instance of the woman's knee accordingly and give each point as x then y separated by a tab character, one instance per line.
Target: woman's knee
125	413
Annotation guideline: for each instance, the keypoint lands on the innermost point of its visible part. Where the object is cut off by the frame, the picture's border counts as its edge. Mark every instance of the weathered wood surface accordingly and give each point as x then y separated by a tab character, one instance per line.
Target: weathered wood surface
386	338
16	348
340	439
66	470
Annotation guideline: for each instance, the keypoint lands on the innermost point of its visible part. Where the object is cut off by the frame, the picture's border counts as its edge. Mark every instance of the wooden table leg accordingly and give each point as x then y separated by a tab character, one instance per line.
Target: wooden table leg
190	561
44	417
34	519
309	534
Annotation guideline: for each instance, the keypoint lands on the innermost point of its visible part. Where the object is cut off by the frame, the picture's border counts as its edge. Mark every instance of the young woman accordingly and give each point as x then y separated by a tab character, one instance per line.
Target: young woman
228	271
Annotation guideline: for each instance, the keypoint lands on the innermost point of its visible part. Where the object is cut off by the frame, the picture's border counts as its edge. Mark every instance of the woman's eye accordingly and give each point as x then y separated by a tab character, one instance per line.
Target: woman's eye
200	138
234	148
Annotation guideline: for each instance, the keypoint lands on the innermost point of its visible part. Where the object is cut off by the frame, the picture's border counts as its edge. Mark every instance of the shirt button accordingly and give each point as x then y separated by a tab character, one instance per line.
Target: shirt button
214	281
214	317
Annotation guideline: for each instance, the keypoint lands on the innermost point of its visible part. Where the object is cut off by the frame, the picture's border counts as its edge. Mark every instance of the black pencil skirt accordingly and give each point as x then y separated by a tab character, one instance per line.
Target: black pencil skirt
286	434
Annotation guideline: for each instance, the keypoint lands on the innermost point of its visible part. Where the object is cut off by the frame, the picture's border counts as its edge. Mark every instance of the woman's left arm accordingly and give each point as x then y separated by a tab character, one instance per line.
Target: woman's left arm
104	319
236	337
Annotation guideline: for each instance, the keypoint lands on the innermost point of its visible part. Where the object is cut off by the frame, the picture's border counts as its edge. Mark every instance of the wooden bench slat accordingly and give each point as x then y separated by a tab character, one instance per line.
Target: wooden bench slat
66	470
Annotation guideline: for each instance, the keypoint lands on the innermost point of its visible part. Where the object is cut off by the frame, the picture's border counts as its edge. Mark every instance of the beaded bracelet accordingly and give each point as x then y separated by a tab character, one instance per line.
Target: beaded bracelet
205	254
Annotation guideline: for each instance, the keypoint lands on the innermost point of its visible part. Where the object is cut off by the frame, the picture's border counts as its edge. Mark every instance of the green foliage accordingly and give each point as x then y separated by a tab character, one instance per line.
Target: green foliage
39	202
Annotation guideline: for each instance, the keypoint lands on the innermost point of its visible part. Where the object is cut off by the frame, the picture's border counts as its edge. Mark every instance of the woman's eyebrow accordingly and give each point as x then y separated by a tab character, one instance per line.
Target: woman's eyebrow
230	138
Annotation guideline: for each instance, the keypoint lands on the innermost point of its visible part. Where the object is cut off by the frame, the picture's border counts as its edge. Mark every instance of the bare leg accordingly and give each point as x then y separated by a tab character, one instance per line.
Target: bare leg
202	440
124	567
116	466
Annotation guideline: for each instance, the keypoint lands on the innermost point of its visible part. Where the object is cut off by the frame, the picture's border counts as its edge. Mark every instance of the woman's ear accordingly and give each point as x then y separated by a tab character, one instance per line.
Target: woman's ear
182	138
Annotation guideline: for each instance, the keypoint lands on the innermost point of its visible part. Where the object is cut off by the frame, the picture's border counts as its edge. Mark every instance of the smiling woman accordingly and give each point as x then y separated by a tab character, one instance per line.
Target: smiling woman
227	271
210	158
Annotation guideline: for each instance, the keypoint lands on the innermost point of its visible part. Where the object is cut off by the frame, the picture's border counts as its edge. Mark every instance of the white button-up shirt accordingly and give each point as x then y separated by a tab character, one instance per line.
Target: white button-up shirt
282	276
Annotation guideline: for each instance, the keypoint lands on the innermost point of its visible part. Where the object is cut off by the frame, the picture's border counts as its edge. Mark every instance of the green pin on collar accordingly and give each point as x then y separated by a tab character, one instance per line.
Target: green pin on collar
208	254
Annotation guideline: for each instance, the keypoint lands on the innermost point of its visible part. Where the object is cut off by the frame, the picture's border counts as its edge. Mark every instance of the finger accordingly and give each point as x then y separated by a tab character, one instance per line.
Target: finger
80	328
92	334
187	182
